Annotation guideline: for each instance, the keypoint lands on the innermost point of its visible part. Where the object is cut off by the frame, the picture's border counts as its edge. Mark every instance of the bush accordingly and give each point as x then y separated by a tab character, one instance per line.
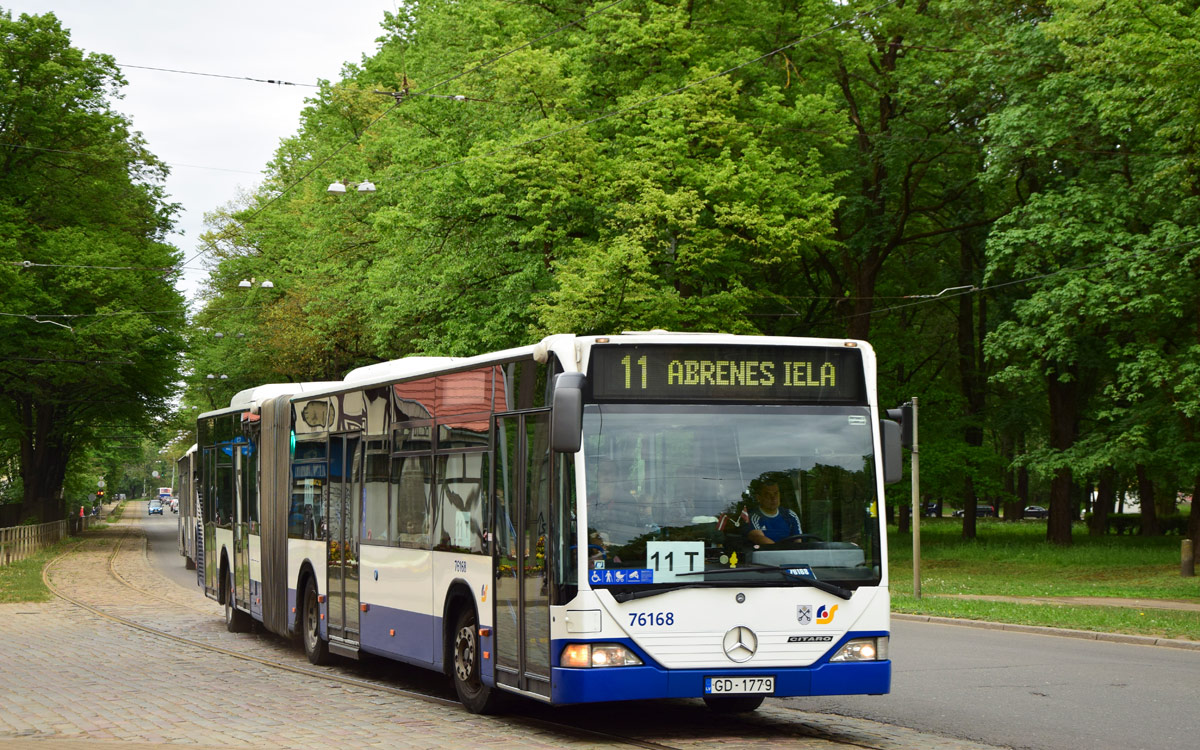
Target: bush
1131	523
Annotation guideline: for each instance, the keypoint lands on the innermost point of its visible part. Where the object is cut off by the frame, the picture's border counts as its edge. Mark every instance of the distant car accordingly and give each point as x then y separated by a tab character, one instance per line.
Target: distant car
981	511
1036	511
156	506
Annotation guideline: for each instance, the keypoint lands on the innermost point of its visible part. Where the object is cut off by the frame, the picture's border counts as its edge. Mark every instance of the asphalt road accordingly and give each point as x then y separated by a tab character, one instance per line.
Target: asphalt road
1032	691
1001	688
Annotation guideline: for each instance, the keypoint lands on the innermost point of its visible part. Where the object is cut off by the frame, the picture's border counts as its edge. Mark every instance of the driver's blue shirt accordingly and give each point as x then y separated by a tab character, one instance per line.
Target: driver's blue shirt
783	524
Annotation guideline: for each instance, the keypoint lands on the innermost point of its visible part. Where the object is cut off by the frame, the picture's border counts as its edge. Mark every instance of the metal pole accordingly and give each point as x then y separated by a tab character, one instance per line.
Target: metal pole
916	503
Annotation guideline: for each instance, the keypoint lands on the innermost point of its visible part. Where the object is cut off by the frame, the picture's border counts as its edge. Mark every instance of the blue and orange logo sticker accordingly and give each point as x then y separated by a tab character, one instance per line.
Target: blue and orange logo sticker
825	614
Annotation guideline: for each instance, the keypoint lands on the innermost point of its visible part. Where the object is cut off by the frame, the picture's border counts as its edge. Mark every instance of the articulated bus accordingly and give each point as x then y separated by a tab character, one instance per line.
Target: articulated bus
573	521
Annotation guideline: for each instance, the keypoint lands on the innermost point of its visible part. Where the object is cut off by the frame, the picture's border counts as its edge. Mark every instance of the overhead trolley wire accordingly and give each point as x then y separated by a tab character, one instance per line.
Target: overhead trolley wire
218	75
959	291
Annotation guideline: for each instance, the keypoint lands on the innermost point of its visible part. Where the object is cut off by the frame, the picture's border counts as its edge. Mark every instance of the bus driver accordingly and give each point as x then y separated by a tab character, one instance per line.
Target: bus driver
768	522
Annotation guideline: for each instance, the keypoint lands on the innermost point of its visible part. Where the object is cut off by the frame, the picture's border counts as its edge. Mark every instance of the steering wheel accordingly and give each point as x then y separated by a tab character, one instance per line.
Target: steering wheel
603	552
800	538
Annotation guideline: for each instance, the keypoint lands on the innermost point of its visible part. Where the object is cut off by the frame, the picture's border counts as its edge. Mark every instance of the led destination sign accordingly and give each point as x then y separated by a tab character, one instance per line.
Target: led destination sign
692	372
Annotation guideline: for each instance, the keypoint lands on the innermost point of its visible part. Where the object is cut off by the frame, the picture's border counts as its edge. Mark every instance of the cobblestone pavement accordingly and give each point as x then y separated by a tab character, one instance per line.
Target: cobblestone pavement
73	679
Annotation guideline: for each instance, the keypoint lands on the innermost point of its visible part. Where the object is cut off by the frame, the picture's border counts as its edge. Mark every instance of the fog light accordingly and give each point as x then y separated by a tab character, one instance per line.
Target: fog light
598	655
862	649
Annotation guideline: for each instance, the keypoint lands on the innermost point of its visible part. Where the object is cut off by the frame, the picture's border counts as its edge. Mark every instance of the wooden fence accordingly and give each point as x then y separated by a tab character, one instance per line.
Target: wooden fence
19	542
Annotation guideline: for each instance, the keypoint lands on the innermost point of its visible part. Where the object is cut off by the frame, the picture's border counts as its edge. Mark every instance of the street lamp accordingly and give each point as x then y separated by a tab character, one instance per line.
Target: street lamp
365	186
247	283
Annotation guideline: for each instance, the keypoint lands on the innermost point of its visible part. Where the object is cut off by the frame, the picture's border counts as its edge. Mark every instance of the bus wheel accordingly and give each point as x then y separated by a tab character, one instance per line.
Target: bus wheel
477	697
315	649
733	704
236	621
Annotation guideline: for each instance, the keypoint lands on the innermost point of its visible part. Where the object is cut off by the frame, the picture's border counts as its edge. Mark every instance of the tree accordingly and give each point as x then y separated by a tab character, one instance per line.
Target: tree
1108	132
90	336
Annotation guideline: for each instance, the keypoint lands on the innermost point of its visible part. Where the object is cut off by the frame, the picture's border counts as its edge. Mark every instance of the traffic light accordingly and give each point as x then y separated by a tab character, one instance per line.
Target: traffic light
100	495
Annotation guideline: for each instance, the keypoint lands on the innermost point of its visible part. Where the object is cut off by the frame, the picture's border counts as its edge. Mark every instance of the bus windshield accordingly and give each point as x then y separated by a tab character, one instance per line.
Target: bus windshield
686	495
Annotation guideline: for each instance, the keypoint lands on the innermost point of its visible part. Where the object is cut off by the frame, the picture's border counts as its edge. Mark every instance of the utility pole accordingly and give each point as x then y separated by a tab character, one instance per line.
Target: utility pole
916	504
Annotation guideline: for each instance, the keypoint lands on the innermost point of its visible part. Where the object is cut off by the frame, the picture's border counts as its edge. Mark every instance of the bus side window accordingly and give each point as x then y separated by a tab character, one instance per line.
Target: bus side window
411	494
462	479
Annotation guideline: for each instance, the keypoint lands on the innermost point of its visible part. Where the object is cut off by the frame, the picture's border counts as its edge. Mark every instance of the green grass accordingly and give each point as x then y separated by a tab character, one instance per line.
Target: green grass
1013	559
22	581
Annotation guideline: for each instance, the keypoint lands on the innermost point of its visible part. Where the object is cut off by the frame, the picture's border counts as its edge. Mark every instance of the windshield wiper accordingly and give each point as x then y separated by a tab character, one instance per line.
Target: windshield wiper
625	596
808	580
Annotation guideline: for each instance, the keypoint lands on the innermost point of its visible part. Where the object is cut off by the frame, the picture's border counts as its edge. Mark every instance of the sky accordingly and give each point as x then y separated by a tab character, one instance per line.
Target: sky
216	134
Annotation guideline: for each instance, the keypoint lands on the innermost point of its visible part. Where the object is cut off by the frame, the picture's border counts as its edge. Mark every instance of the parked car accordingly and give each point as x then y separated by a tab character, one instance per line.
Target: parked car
155	506
1036	511
981	511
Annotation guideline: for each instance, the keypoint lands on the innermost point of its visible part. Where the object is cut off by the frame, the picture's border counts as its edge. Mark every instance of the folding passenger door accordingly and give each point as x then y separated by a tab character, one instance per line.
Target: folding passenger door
522	491
241	526
344	508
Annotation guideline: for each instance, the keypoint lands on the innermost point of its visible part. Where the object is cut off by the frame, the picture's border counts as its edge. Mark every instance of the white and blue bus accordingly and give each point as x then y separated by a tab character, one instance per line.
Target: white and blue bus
572	521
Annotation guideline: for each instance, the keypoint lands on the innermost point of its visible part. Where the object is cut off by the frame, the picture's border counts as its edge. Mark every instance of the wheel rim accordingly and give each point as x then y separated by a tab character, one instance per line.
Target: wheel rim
464	656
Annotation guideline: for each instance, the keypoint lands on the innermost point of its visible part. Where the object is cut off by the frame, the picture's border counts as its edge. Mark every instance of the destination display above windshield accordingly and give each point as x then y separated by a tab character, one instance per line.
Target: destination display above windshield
762	374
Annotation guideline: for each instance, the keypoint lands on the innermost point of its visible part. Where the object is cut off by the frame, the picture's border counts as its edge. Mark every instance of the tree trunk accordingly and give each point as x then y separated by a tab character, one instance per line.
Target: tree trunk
43	466
969	502
1146	498
1063	393
1193	527
1012	509
971	385
1106	493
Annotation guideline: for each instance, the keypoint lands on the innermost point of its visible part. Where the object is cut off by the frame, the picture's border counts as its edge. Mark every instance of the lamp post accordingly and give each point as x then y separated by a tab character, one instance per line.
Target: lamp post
338	188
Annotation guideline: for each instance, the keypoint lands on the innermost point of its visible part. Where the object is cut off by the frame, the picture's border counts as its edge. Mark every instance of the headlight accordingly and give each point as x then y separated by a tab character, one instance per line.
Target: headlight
598	655
863	649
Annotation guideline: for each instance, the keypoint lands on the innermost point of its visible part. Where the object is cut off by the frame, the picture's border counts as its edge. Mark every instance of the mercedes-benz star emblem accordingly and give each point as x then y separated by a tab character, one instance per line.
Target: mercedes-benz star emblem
740	644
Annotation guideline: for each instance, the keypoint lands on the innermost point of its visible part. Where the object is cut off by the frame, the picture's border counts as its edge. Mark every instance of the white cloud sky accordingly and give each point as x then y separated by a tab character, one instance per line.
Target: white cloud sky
217	134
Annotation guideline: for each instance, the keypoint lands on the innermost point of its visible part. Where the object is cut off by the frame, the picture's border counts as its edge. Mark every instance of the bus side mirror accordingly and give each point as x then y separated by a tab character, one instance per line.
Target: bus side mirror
566	418
893	462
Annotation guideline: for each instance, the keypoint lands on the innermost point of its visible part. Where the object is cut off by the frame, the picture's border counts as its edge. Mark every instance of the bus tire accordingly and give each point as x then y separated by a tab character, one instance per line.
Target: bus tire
236	621
315	649
733	704
465	664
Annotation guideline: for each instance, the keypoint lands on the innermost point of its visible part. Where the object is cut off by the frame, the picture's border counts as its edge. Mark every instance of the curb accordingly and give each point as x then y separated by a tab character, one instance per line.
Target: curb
1087	635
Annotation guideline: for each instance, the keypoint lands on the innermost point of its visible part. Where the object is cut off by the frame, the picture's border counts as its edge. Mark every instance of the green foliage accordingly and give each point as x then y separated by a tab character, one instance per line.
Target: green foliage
796	168
82	219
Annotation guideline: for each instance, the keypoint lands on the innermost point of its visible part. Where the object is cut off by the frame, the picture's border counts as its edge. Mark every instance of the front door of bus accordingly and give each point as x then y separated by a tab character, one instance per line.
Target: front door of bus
345	477
522	492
